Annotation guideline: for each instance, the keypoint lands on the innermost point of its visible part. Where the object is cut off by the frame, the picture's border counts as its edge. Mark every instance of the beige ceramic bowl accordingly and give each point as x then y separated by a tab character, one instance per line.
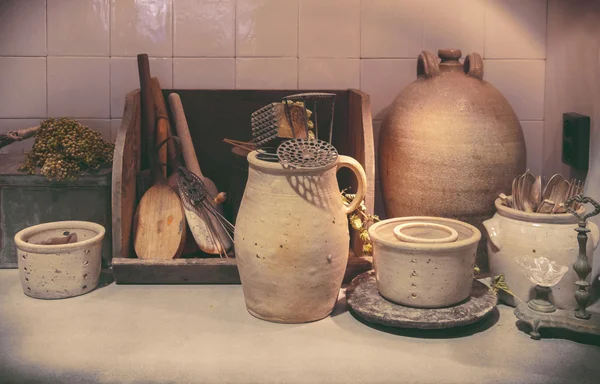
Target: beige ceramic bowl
62	270
424	262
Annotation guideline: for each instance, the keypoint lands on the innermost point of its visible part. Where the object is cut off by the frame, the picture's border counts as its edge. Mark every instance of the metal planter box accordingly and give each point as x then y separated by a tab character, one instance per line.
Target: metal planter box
27	200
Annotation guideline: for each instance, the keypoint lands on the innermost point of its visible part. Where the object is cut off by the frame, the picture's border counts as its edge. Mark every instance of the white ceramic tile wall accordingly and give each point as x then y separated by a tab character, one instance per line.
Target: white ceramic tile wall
84	35
77	57
124	78
23	28
204	73
204	28
71	82
267	28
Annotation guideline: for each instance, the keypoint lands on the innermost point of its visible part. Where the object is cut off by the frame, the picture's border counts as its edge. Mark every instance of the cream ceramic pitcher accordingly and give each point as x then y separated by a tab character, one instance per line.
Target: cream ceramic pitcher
292	240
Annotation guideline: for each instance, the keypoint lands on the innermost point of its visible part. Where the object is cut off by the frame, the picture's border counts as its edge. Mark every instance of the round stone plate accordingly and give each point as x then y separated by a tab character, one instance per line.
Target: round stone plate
364	299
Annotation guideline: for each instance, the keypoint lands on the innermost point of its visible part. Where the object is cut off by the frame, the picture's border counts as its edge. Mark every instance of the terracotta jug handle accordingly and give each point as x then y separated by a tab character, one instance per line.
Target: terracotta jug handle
473	66
349	162
427	64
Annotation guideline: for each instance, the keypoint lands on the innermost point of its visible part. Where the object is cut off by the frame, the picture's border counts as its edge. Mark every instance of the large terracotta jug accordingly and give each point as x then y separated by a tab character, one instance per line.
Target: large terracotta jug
450	144
292	240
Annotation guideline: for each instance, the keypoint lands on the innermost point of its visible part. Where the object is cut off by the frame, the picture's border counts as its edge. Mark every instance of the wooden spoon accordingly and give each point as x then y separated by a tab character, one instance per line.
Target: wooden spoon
546	206
66	239
525	186
515	193
201	228
525	191
550	185
159	222
535	195
560	192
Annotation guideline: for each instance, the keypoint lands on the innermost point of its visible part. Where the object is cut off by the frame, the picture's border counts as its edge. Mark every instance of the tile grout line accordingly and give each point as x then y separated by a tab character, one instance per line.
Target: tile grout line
235	44
362	2
485	13
422	27
46	85
172	44
544	95
110	21
298	47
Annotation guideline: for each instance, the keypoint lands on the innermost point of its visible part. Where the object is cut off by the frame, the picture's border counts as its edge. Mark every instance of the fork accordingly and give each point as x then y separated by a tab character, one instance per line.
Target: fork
575	188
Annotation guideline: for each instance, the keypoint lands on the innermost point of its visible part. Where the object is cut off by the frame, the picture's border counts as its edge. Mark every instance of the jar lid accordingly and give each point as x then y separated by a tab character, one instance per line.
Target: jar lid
423	232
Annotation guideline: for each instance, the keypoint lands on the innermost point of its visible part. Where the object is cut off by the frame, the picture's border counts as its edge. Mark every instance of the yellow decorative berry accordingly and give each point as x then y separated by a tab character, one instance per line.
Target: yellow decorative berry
356	222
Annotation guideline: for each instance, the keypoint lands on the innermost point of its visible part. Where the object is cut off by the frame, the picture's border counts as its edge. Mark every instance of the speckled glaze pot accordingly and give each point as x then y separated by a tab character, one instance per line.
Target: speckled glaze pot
431	266
292	240
515	233
61	270
449	144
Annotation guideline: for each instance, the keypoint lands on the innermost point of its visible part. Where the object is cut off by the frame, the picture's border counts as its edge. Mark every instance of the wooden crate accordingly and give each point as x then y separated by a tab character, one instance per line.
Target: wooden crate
212	116
27	200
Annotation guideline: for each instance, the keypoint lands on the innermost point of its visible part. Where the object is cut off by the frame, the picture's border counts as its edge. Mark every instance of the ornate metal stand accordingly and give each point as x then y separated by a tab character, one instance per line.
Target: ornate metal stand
541	313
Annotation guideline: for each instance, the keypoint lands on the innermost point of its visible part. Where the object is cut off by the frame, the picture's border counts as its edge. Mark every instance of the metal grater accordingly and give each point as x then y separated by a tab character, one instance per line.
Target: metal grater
309	100
276	120
306	153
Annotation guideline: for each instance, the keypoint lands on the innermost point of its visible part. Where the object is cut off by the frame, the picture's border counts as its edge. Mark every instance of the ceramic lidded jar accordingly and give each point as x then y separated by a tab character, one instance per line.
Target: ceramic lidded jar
513	233
292	240
449	144
424	262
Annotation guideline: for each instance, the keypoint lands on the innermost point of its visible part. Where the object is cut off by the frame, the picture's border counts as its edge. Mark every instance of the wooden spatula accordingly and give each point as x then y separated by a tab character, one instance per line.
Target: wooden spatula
200	228
159	225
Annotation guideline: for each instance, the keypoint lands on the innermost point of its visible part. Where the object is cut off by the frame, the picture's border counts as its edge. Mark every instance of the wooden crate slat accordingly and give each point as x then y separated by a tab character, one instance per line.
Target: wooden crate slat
126	165
200	271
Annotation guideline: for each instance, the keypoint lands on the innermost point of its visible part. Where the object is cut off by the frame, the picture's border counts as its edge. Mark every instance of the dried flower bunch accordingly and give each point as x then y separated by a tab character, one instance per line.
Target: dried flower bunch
65	148
360	221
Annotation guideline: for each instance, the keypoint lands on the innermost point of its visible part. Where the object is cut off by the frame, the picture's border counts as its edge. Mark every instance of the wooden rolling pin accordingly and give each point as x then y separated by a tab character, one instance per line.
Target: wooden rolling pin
148	112
199	227
159	226
163	127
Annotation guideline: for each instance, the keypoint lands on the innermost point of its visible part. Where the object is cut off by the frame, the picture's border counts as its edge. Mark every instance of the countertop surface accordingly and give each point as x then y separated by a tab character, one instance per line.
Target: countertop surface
203	334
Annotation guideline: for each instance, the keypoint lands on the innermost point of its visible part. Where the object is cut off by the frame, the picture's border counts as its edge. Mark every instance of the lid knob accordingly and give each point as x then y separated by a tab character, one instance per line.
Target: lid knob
449	54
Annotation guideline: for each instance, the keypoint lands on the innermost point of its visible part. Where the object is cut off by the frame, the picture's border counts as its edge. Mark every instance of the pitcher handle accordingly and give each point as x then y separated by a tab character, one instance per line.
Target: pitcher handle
354	166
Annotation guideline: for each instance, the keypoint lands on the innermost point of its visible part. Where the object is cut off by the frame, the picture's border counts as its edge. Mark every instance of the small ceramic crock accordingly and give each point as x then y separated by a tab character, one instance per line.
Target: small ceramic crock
59	271
424	262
